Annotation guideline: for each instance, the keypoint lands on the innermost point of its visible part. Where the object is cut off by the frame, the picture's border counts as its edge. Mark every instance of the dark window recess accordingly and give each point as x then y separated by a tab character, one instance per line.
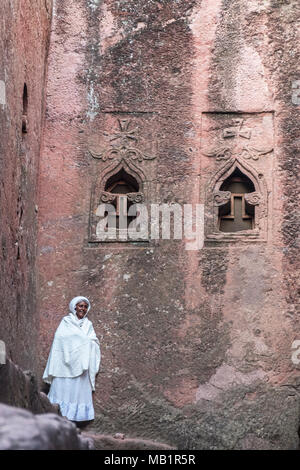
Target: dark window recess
121	184
237	215
25	109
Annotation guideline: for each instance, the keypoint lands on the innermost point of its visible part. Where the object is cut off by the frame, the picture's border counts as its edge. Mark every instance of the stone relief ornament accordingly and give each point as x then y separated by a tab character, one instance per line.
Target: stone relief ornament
253	198
108	198
221	197
236	141
122	145
136	198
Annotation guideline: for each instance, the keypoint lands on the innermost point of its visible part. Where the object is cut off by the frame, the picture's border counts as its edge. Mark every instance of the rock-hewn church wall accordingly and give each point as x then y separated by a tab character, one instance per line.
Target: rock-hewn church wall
179	98
24	35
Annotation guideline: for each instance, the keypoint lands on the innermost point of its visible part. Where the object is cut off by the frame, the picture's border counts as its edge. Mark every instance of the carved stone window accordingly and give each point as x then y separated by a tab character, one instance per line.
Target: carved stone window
123	178
236	214
236	207
237	151
122	191
112	217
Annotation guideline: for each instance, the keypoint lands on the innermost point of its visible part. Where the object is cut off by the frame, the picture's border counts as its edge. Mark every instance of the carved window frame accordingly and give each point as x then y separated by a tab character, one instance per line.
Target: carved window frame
99	195
215	198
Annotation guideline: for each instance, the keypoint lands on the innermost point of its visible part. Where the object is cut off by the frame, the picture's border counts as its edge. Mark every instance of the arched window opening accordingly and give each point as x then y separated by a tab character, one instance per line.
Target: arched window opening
124	179
237	214
124	186
25	109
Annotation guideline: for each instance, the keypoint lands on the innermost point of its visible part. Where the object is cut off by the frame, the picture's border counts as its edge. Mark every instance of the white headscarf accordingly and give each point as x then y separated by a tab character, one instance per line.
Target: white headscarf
75	347
72	307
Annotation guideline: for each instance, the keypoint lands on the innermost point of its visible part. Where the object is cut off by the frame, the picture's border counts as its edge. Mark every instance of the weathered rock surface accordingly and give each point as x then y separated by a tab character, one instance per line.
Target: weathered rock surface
105	442
21	430
24	40
196	344
20	389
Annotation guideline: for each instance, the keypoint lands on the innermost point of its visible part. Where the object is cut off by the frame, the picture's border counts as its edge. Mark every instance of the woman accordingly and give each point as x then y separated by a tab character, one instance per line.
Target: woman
73	363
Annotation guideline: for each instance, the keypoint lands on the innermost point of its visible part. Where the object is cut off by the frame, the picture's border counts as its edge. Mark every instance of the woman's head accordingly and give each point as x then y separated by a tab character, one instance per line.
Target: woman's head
80	306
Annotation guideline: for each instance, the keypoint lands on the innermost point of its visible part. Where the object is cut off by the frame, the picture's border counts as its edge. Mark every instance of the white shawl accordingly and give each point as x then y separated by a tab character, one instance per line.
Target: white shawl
75	348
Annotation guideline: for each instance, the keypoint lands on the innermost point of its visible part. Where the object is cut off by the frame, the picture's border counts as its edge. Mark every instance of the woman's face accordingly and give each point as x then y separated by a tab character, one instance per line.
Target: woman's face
81	309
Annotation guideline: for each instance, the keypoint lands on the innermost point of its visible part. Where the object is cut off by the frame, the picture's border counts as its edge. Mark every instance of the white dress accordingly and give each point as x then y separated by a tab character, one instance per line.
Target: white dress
72	365
74	396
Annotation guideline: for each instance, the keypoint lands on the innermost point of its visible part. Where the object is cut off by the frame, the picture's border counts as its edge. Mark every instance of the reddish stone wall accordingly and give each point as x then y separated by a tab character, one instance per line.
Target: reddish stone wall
24	33
196	344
